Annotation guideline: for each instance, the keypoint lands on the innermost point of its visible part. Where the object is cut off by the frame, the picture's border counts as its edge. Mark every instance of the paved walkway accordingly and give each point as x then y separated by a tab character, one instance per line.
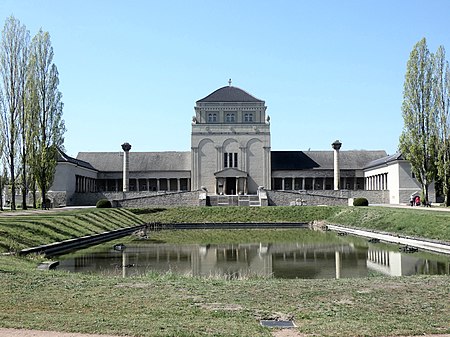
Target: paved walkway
32	211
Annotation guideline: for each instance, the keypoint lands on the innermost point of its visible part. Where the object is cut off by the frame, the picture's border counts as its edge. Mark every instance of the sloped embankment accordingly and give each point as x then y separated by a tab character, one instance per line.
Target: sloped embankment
24	231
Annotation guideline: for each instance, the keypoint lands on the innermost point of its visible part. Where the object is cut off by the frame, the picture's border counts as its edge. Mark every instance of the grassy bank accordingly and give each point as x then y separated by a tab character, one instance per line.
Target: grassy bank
168	305
23	231
414	222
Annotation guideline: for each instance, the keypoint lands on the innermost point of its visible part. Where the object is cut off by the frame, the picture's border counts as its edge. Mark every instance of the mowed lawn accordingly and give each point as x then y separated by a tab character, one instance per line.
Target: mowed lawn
171	305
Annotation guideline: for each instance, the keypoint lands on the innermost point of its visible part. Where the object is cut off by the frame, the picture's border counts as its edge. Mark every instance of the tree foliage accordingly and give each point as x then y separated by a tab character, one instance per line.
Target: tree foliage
30	108
441	92
13	71
418	139
49	119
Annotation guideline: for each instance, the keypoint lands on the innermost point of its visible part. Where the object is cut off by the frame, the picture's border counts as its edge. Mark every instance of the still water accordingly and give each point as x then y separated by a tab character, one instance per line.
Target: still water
347	258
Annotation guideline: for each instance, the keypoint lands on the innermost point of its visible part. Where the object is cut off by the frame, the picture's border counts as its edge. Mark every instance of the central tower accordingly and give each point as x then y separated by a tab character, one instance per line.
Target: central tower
230	143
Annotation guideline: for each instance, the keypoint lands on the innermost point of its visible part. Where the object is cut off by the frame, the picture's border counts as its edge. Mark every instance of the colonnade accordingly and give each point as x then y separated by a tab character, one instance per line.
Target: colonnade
377	182
314	183
85	184
146	184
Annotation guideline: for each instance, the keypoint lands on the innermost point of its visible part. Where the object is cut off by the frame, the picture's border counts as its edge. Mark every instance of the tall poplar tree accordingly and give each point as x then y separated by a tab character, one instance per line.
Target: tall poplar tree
49	116
441	93
13	62
418	138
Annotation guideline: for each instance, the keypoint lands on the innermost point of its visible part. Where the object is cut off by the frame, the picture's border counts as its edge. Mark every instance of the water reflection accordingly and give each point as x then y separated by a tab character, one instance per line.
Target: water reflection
286	260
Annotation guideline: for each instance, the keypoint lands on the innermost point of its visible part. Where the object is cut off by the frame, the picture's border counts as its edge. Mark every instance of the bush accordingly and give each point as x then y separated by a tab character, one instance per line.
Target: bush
360	202
103	203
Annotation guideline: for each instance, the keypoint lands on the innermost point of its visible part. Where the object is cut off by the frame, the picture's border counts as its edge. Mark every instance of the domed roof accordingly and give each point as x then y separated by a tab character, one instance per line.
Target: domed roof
229	94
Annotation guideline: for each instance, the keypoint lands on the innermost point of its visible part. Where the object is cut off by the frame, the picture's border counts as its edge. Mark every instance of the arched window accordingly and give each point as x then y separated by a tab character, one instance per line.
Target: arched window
212	118
230	118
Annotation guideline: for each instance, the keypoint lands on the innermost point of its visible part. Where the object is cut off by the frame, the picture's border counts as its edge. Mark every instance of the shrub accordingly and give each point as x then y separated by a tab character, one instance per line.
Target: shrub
103	203
360	202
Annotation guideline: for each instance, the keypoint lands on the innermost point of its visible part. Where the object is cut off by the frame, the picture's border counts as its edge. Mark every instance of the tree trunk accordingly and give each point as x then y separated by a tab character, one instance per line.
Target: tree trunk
24	197
13	183
34	196
1	193
447	197
43	190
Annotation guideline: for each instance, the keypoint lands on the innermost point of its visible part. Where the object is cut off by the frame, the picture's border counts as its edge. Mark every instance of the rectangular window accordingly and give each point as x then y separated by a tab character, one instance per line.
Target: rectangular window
277	183
230	159
288	184
163	184
173	184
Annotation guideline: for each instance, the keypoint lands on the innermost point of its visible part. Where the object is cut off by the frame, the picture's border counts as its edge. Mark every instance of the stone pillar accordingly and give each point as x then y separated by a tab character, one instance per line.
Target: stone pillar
336	147
126	147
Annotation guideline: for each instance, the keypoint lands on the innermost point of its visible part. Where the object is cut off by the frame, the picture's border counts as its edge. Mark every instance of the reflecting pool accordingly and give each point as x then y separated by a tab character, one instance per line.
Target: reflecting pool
319	260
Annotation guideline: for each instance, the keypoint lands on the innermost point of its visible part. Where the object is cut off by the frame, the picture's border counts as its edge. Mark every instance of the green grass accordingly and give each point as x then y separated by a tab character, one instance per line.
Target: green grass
22	231
414	222
169	305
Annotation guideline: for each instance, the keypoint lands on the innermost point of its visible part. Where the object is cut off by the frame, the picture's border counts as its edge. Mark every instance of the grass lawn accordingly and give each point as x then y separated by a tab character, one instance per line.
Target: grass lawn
170	305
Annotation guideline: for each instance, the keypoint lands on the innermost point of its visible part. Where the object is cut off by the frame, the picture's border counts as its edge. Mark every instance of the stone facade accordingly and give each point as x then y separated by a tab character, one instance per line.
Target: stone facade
230	130
394	174
231	156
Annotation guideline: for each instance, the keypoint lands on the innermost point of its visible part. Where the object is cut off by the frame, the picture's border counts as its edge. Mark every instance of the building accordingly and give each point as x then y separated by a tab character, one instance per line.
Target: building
231	155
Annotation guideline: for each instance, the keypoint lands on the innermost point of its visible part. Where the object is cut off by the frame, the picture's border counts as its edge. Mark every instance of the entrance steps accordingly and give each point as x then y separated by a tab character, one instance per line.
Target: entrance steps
233	200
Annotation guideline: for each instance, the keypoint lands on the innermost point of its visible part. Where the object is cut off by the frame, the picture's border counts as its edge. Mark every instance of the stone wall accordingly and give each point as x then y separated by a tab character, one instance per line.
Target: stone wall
57	199
328	197
162	200
192	198
286	198
90	199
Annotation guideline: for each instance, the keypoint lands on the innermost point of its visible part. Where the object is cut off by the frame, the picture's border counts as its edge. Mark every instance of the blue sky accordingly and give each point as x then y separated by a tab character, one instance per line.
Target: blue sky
132	70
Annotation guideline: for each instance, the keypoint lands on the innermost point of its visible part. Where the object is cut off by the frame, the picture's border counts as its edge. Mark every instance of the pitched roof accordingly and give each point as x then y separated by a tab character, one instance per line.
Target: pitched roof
348	160
139	161
291	160
64	158
229	94
385	160
307	160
